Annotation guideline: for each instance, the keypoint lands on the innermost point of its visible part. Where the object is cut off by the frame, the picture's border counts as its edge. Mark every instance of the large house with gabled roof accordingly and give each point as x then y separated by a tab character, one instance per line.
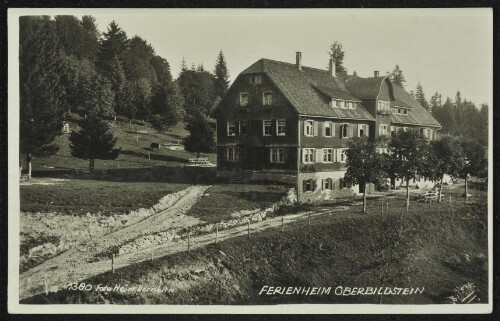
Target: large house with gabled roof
289	123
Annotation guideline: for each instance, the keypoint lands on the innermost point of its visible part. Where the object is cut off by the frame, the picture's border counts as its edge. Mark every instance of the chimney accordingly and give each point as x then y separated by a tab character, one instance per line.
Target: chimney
331	67
298	59
375	73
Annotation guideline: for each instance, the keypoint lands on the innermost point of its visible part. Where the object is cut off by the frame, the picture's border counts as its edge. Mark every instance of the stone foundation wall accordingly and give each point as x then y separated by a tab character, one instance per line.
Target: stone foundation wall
319	193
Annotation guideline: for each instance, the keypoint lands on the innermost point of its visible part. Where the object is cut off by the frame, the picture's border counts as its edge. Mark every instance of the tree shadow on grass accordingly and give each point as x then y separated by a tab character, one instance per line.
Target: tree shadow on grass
154	156
165	174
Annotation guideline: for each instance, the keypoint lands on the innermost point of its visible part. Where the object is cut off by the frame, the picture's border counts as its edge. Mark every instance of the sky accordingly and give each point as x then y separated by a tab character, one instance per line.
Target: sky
444	49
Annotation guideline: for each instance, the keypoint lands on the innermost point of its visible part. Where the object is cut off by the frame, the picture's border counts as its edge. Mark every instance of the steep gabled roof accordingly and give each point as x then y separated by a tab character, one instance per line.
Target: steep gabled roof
364	88
421	115
309	90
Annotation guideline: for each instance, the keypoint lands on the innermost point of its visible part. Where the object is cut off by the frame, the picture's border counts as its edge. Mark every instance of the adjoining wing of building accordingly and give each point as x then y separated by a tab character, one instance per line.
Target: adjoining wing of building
283	122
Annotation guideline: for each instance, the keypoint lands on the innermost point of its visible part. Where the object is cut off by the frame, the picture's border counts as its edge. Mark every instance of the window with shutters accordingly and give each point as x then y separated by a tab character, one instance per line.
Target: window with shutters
243	127
308	155
267	98
327	184
328	128
342	155
233	154
231	128
393	130
327	155
266	130
309	185
344	130
243	99
382	129
281	127
309	128
278	155
363	130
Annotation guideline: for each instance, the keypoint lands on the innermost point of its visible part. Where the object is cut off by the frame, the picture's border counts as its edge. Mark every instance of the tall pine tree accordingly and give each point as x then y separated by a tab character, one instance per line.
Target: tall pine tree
93	141
397	77
420	97
42	94
221	76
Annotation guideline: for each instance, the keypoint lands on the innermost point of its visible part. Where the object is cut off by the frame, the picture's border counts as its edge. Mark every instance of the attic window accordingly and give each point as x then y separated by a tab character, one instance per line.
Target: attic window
405	111
350	105
383	106
267	98
255	79
243	99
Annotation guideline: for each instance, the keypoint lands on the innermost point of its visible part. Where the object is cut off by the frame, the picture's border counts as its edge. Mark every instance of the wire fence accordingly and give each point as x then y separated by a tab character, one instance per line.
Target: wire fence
53	282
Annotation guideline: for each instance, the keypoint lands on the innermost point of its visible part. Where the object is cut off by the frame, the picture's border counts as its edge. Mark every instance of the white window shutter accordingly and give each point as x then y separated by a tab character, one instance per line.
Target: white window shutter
315	128
333	128
303	155
305	127
319	155
367	129
350	128
337	152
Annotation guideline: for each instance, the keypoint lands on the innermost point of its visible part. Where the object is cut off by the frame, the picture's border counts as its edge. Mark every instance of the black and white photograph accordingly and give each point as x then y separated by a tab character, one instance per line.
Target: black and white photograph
250	160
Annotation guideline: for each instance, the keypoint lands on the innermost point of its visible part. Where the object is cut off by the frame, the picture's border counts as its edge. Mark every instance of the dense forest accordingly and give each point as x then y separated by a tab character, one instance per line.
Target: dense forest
68	67
458	116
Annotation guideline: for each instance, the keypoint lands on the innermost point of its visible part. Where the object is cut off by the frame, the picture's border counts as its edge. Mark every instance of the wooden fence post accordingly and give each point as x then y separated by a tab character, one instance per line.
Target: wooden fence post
309	220
450	201
149	155
382	208
387	206
113	263
248	229
430	202
216	234
282	223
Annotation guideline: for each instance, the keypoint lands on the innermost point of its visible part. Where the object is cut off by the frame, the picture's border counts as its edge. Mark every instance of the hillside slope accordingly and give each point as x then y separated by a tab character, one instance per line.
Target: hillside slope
437	250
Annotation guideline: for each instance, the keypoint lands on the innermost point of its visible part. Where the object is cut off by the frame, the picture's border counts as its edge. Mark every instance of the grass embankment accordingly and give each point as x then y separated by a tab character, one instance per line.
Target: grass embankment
134	140
226	199
77	197
434	248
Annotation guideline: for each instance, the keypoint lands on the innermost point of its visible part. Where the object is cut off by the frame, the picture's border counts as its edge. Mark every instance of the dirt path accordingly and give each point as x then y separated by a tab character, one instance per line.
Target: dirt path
59	278
72	265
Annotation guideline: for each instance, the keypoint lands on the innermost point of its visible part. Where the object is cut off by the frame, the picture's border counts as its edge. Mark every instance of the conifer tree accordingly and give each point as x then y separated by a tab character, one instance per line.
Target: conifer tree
397	77
221	76
420	97
42	94
93	141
